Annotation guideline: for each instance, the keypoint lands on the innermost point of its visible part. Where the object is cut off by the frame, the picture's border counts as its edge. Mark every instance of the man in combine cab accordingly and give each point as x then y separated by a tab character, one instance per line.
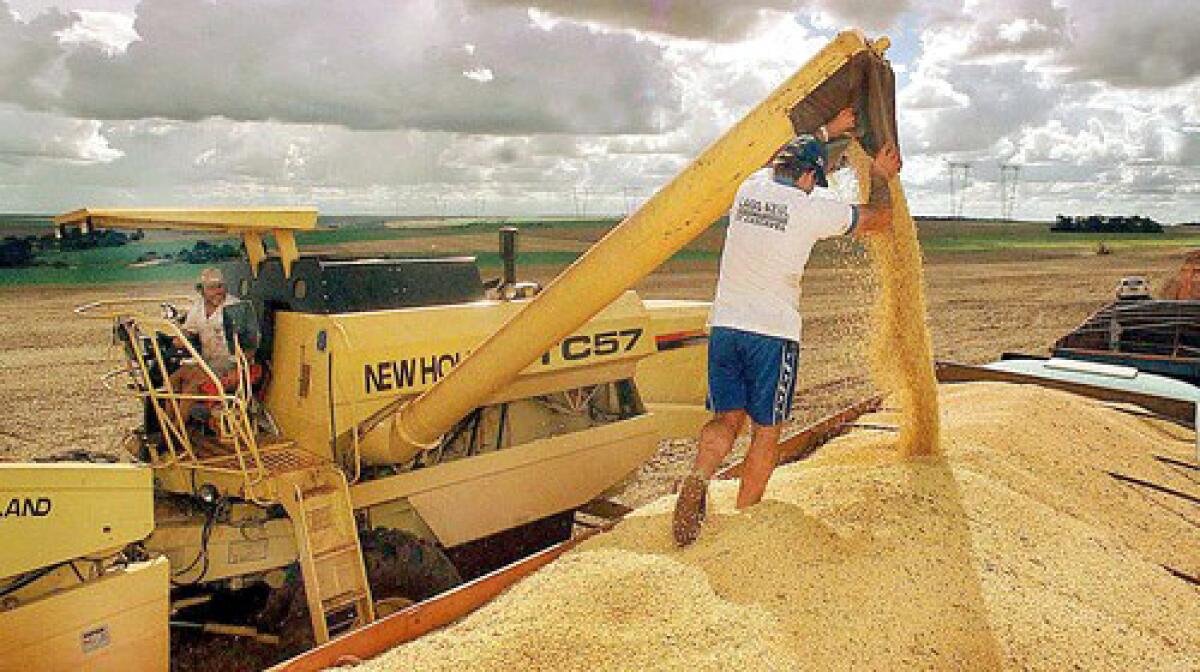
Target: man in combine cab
217	324
755	321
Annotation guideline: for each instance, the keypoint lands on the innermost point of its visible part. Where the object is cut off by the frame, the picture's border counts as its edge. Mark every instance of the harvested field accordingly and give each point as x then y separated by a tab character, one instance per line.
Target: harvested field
1014	550
980	304
50	367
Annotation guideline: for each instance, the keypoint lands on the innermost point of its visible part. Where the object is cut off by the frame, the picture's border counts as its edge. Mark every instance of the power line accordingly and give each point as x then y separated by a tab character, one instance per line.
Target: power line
1010	175
960	180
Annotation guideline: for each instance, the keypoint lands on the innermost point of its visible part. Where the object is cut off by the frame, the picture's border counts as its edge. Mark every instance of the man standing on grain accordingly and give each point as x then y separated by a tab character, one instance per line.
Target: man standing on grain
754	344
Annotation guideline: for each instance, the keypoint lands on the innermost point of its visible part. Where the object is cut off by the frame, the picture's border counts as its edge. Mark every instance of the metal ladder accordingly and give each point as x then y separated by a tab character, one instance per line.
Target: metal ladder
335	579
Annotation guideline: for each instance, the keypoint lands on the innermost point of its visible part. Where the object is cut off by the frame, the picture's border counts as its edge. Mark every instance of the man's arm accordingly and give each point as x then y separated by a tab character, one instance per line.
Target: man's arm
190	326
876	217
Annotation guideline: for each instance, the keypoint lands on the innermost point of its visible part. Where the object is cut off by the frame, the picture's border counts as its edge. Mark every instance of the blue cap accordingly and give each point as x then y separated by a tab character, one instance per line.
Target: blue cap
804	153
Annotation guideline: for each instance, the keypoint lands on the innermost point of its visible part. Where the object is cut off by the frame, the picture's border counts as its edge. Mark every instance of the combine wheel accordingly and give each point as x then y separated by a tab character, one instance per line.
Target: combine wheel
403	565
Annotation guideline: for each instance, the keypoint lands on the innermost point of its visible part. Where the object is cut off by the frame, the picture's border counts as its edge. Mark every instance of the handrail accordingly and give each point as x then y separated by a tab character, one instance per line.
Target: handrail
234	427
87	310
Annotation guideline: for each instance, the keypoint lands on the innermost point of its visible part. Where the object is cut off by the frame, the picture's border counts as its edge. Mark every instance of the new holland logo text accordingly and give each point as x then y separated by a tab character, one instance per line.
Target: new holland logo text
26	507
399	374
583	346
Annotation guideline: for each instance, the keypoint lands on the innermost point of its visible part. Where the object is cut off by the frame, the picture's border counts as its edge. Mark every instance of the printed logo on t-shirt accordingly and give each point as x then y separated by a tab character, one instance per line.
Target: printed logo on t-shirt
763	213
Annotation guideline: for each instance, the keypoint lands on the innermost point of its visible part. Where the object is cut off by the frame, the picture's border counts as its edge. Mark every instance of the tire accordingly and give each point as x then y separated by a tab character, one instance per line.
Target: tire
403	565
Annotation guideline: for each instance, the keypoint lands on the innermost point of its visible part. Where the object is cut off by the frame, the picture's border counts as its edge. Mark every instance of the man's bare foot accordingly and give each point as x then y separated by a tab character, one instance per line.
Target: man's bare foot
690	509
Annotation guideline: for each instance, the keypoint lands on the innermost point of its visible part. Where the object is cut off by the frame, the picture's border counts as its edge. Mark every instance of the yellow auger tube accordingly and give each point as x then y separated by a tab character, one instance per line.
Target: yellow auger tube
675	215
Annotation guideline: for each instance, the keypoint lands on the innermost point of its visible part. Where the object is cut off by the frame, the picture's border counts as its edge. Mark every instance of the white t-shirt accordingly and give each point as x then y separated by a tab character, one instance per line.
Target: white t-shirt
211	330
772	230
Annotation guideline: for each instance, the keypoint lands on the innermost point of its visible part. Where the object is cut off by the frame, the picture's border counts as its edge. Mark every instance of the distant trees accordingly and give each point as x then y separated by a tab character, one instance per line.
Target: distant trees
23	251
74	239
15	252
1105	224
204	252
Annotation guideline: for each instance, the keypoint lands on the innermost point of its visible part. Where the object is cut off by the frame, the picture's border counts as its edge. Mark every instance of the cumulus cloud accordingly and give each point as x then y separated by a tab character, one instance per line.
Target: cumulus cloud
110	31
866	14
28	9
713	20
41	136
724	21
1149	44
1152	44
30	58
555	106
373	64
983	104
1014	27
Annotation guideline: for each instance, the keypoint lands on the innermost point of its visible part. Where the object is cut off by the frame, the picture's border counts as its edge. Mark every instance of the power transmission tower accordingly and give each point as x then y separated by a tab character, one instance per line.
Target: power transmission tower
1010	175
960	179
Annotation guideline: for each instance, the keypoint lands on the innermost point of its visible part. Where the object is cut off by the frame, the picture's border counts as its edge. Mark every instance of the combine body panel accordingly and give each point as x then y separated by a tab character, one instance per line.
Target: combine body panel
74	596
667	381
332	372
56	512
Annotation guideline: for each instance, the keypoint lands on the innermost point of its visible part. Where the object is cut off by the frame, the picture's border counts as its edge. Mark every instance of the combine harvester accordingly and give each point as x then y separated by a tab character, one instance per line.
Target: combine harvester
409	427
309	471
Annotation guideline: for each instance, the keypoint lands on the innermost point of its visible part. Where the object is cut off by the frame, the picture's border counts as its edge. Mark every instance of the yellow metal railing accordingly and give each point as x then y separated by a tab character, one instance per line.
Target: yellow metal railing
144	336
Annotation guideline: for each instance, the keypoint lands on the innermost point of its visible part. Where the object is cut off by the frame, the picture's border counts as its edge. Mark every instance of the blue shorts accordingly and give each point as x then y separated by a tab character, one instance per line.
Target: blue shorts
752	372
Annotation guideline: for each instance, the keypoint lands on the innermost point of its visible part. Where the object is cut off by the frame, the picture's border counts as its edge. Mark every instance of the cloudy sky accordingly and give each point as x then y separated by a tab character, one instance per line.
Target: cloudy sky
499	107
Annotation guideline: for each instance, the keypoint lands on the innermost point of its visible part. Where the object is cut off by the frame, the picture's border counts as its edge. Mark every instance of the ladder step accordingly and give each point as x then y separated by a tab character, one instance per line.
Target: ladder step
328	553
335	581
318	491
344	600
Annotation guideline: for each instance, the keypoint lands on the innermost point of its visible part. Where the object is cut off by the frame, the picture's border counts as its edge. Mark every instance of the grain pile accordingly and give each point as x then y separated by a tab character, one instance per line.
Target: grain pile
1013	549
900	350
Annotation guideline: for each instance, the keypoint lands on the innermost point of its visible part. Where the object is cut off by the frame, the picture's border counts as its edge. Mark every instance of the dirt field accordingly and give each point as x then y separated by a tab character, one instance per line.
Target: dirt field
981	304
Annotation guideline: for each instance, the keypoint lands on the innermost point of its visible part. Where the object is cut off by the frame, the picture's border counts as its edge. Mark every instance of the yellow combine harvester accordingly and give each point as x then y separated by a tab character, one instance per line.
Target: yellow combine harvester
414	428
